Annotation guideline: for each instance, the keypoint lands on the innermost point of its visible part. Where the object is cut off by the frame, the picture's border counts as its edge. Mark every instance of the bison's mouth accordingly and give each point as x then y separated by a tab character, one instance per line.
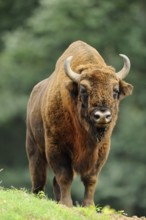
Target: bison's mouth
100	131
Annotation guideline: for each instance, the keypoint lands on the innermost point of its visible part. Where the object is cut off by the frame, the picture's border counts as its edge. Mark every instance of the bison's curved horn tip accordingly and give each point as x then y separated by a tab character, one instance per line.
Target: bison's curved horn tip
70	58
67	61
69	72
126	68
126	59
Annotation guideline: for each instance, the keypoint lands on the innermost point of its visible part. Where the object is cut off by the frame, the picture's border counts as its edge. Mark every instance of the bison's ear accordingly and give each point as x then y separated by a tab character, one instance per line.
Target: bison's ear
72	87
125	89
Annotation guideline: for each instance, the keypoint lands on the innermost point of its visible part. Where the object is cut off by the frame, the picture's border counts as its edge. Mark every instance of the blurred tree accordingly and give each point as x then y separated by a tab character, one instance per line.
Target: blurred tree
30	55
13	14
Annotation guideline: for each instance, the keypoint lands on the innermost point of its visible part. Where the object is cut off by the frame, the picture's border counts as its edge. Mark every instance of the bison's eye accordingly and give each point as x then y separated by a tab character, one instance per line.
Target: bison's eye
116	93
83	90
84	95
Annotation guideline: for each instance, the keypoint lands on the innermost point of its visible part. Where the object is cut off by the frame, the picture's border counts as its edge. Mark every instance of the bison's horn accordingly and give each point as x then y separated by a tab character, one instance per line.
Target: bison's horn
69	72
126	68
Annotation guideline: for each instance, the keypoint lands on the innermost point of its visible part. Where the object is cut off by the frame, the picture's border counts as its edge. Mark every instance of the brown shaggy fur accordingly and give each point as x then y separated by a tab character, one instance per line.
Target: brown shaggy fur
60	132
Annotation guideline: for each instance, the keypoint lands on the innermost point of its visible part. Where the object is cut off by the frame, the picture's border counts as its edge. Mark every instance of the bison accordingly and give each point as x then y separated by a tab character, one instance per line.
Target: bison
70	119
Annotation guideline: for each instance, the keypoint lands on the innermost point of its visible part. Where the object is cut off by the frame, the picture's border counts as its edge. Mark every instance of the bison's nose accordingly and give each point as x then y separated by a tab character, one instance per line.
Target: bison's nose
102	117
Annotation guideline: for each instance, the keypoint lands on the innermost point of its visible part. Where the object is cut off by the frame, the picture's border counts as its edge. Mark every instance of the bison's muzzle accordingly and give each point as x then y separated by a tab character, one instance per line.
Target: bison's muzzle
101	117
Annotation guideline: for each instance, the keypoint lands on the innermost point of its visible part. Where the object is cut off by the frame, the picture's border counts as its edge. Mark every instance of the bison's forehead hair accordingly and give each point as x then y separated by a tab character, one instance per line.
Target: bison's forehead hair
102	75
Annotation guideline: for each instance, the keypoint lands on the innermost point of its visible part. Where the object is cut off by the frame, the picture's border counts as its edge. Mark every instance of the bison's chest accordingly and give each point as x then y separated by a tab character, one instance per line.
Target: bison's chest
85	162
88	160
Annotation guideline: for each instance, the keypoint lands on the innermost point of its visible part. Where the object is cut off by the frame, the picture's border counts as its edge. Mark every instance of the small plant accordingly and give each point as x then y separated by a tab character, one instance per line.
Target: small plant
122	212
108	210
1	171
41	195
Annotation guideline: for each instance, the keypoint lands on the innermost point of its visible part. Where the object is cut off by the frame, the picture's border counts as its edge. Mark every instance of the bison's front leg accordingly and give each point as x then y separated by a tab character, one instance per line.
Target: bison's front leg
64	178
56	190
61	166
90	185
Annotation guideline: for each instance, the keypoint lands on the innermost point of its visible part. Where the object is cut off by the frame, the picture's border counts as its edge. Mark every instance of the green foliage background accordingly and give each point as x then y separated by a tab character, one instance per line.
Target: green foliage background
33	34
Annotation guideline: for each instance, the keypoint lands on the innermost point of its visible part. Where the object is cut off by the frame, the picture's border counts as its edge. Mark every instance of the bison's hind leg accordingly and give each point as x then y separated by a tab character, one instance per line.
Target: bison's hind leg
37	165
56	190
38	173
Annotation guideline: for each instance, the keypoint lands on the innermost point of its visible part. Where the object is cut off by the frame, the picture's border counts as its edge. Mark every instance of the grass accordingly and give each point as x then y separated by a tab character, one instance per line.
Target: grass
21	205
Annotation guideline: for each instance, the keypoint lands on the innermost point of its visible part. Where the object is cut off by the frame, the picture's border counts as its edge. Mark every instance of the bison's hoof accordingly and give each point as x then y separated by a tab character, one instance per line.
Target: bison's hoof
66	202
87	203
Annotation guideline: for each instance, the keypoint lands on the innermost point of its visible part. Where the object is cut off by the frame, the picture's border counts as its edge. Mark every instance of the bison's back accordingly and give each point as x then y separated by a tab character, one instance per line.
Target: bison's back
83	55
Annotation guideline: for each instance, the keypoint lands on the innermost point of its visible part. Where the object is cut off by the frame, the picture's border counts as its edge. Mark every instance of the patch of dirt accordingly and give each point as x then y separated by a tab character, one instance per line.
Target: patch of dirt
122	217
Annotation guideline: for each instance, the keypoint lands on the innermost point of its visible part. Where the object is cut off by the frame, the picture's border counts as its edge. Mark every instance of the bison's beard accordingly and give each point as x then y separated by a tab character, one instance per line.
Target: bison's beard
100	132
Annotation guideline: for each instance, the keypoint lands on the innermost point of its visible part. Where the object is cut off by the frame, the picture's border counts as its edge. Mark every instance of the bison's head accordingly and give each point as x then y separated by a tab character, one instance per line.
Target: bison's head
96	93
